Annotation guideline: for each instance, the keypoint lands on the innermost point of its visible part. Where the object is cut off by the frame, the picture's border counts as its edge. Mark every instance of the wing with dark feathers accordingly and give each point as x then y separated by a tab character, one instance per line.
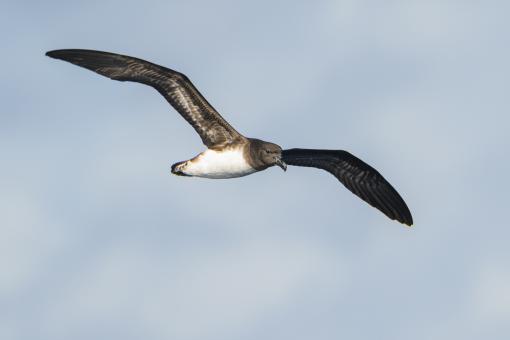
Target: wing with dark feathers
357	176
174	86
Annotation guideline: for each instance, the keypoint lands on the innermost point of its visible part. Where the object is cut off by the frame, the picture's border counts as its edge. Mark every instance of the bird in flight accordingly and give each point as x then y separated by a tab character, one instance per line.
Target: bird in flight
230	154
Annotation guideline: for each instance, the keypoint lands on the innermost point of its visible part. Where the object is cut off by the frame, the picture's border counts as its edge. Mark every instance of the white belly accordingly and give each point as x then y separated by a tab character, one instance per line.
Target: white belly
216	164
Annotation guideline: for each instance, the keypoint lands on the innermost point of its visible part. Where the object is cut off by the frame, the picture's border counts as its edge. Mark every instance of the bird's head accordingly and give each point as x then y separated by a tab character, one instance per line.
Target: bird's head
267	154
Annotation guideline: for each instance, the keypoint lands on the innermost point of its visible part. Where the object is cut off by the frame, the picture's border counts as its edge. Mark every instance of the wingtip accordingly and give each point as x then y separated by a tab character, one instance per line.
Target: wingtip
52	54
408	222
62	53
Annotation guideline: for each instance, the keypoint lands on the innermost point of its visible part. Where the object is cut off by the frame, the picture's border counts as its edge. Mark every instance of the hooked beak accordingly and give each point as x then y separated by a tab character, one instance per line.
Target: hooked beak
281	163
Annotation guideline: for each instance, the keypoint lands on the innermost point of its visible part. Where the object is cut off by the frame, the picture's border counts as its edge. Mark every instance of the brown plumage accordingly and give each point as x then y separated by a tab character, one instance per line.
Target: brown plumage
177	89
229	153
357	176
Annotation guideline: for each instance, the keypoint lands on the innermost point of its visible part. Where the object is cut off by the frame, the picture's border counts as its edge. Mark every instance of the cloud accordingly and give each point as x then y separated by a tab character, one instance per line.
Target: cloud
193	294
491	294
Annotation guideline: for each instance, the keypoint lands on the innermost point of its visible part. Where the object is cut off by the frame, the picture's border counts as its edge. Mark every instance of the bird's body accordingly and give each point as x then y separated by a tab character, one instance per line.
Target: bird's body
216	164
230	154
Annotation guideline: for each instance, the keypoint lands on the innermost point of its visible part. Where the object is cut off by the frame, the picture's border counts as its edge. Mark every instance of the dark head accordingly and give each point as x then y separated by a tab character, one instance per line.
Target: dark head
265	154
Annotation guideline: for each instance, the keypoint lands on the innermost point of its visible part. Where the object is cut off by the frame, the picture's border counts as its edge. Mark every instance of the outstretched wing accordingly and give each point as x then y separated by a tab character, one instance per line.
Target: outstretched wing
174	86
357	176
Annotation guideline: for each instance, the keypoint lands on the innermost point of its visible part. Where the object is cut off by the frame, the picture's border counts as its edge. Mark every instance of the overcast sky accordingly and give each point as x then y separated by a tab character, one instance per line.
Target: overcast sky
99	241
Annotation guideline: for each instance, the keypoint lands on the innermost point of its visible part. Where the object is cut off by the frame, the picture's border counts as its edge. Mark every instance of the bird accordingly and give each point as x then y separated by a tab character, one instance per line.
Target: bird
229	154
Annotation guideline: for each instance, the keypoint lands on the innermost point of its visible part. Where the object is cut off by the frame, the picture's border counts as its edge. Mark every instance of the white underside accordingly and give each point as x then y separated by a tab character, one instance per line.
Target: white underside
218	164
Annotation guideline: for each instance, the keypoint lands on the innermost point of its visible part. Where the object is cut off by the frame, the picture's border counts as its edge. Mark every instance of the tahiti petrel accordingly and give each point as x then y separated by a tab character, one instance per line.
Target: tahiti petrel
230	154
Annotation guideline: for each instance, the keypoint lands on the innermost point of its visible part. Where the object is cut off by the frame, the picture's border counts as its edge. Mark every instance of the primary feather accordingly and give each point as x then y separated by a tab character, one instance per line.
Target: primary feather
174	86
357	176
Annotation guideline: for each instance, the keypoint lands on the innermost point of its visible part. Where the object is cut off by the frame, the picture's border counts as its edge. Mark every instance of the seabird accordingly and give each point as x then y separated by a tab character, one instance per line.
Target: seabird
230	154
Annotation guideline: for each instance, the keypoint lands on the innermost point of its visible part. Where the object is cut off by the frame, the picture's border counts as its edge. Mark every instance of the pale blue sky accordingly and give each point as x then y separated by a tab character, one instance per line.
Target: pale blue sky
99	241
